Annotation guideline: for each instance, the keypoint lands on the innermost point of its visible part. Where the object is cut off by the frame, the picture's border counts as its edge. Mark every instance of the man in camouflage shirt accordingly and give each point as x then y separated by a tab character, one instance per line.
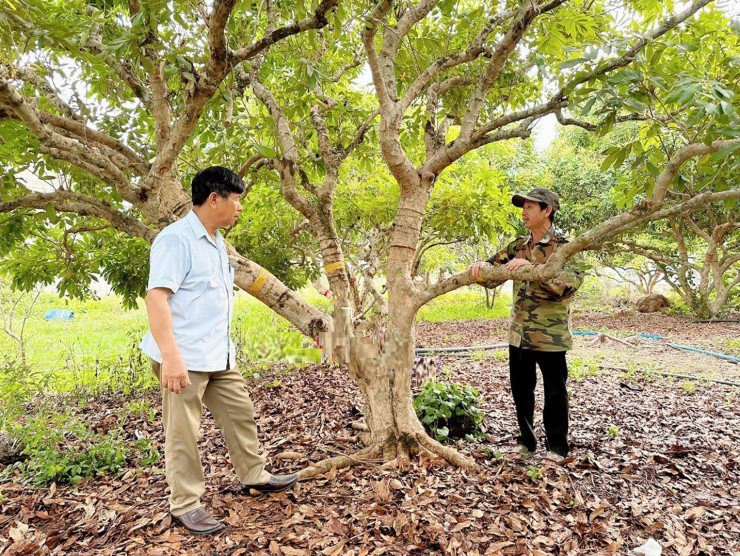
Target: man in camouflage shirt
539	332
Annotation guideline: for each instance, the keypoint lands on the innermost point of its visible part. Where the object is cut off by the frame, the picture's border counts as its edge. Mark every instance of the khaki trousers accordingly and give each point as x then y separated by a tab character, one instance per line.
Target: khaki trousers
225	395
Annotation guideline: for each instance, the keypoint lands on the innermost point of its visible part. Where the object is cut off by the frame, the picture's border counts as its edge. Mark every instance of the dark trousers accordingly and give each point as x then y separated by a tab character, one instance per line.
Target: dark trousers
523	381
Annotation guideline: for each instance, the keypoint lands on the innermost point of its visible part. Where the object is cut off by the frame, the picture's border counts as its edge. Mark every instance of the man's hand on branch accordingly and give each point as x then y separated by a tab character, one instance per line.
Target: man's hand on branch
515	264
476	268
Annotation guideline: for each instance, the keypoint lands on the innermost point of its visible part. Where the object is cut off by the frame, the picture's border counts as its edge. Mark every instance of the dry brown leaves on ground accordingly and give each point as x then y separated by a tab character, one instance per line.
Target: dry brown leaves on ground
660	463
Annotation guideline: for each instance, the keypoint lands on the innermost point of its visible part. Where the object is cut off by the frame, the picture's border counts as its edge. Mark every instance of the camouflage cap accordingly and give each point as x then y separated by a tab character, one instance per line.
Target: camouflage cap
538	195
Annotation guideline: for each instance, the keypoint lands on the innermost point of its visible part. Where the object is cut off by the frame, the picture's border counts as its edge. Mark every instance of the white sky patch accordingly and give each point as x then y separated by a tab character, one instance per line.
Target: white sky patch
545	131
34	183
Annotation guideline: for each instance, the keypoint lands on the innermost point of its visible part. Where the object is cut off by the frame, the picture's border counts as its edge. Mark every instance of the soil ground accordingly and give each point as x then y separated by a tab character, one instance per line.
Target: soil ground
652	457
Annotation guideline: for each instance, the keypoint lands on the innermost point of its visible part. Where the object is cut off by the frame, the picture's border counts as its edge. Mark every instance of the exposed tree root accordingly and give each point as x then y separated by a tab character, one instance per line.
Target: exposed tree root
340	462
396	455
360	426
366	438
450	455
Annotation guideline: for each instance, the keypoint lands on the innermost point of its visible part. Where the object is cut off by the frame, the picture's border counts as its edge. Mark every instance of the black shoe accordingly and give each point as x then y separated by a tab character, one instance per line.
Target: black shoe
277	483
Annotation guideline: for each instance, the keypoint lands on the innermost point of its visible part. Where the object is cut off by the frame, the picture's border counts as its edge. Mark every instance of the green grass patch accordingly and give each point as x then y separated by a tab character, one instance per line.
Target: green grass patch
463	304
98	350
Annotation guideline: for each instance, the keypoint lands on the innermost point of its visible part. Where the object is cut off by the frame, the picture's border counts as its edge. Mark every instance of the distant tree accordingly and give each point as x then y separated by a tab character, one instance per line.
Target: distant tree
15	309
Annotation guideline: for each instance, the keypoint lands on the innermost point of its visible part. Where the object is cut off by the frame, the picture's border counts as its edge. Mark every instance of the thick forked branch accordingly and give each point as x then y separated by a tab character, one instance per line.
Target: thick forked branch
118	151
687	152
220	62
216	36
383	77
288	165
476	49
502	52
84	205
392	36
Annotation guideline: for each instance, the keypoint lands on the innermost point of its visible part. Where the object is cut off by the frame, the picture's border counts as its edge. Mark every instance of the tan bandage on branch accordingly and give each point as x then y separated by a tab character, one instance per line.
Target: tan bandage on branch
334	266
259	283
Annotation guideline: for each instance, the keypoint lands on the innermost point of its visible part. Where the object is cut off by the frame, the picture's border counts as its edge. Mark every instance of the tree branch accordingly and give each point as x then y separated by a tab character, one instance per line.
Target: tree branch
383	85
84	205
502	52
594	238
476	48
59	146
360	135
251	161
316	21
564	120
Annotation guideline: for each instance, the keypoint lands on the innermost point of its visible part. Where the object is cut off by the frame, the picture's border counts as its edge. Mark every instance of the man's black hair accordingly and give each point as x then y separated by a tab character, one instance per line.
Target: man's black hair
543	206
215	179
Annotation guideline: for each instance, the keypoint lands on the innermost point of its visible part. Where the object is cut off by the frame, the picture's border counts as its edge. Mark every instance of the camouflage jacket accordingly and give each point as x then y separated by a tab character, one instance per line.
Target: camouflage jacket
540	314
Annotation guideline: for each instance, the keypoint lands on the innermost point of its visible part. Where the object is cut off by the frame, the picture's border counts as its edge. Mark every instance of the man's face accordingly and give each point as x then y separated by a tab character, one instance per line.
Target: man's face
534	217
226	209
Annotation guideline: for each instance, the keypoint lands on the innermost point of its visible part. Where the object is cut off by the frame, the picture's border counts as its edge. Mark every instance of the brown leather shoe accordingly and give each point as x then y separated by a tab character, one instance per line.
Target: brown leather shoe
199	522
277	483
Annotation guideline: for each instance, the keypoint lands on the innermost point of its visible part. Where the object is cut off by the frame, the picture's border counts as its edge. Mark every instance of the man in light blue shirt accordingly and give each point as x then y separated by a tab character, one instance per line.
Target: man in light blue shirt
190	304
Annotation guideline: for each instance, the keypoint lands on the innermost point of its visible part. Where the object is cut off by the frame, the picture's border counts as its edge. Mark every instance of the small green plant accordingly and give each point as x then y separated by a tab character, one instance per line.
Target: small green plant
137	408
534	473
500	355
149	453
612	431
450	410
578	369
20	382
478	355
447	372
731	345
631	372
689	386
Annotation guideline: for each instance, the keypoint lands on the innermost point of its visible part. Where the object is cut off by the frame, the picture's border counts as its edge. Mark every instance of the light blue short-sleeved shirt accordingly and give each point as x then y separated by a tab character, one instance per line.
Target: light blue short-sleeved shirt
186	260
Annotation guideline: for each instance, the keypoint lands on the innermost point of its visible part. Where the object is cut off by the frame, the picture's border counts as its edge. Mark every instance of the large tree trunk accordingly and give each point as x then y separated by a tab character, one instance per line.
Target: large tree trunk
380	364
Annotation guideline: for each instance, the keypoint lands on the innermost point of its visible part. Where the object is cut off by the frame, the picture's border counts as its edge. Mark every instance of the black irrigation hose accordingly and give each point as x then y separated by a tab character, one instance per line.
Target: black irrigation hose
426	351
710	321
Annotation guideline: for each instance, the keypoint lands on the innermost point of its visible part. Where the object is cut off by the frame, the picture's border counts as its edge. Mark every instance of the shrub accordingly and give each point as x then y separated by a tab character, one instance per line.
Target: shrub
450	410
60	447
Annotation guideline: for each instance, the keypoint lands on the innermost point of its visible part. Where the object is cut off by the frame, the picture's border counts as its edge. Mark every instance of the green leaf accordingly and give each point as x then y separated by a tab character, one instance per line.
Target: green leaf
572	63
267	152
587	107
